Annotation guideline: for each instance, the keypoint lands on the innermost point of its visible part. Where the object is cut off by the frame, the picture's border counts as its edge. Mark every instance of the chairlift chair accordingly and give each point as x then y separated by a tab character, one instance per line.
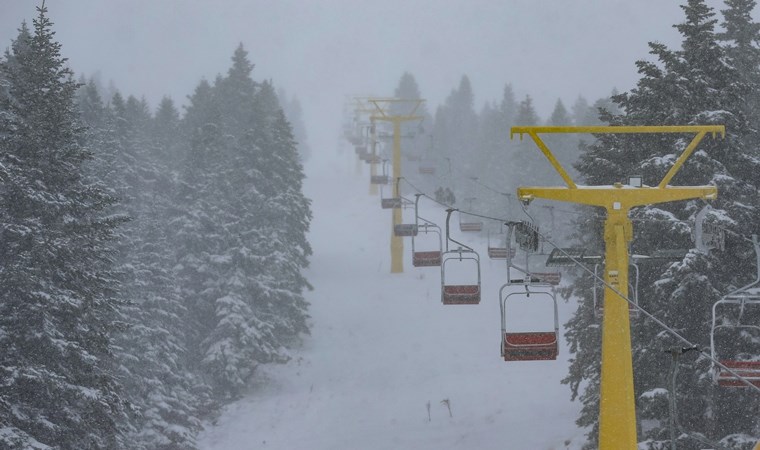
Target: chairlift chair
426	170
381	179
406	229
528	238
745	297
390	202
458	294
425	258
531	345
470	223
707	235
496	251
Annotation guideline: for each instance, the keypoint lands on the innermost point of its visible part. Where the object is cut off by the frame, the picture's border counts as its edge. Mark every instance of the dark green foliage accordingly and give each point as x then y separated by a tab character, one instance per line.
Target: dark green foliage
57	303
124	324
241	224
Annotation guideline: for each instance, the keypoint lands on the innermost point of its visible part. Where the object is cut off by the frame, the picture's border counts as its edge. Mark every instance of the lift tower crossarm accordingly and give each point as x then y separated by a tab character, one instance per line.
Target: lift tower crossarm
617	411
700	131
382	114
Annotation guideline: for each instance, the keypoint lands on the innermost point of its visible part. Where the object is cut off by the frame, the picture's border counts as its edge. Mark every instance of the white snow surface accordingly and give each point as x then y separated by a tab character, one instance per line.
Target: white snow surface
383	346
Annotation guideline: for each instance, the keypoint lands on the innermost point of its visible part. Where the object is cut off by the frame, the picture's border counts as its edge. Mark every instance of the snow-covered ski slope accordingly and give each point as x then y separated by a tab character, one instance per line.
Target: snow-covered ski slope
383	347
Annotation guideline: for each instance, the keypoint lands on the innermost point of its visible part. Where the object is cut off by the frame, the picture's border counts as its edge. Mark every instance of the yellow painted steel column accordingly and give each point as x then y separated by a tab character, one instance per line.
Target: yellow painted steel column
617	424
617	408
373	167
397	243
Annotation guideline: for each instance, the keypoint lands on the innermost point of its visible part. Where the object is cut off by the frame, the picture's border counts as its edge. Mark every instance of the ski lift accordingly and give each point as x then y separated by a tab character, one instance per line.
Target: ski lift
706	235
407	229
369	158
496	251
391	202
744	298
426	169
470	223
531	345
381	179
528	238
458	294
552	278
526	235
425	258
361	151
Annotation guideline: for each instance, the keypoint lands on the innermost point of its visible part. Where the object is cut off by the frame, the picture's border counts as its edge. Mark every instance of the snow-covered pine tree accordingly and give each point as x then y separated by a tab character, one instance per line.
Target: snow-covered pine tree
417	139
294	113
238	245
57	304
285	217
151	351
692	85
741	38
491	161
197	222
165	132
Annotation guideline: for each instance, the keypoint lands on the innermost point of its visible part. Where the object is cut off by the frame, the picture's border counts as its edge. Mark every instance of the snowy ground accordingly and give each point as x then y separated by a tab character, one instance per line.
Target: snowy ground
383	347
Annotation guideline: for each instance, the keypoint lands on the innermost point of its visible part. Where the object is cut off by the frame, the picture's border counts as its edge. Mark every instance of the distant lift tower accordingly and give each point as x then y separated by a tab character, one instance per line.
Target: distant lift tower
617	412
362	106
382	113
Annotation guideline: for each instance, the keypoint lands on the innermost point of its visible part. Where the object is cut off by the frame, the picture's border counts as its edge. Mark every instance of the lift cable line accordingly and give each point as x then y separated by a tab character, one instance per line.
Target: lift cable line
617	410
632	304
649	315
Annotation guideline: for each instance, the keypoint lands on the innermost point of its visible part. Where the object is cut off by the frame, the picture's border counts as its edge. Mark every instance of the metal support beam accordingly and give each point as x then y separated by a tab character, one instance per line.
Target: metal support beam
381	113
617	411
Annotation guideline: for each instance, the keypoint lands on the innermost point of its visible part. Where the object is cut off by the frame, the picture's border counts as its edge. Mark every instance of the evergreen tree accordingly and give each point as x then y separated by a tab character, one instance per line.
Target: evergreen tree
741	37
165	133
293	111
151	351
57	305
417	138
692	85
241	230
455	134
508	106
582	113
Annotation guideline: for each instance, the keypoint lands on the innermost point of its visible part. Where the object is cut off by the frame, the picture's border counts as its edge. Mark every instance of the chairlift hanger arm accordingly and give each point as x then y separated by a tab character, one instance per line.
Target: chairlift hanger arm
626	198
389	101
448	234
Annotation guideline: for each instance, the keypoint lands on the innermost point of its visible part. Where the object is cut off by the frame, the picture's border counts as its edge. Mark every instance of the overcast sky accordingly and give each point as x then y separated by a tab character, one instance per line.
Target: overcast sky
322	50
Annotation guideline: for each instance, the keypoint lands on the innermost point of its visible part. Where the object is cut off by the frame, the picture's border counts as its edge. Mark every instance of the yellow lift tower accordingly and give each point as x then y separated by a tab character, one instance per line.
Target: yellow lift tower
382	113
617	412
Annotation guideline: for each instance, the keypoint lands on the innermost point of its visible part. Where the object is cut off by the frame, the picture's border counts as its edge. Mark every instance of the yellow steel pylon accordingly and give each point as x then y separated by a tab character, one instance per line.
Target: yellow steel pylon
617	412
397	243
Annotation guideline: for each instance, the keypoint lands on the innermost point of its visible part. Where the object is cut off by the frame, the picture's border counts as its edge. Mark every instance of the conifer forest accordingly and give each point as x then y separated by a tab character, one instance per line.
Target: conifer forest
202	272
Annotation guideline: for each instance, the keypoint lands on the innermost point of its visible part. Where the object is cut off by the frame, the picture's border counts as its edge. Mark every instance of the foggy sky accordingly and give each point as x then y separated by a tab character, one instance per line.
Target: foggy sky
322	50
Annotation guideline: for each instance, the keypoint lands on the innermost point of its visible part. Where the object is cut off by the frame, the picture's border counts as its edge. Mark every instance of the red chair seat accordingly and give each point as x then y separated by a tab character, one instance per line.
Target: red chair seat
552	278
470	226
426	259
461	295
500	252
746	369
530	346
